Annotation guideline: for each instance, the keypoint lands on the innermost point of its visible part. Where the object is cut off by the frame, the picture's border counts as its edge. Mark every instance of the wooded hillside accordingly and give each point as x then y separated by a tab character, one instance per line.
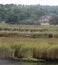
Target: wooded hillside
28	14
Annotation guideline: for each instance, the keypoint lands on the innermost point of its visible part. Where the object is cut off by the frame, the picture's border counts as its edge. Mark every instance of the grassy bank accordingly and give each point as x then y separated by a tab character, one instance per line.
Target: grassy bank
29	47
29	34
31	28
32	31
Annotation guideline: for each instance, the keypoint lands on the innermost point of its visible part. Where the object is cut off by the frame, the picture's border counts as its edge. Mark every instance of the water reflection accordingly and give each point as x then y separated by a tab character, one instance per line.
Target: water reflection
7	62
52	63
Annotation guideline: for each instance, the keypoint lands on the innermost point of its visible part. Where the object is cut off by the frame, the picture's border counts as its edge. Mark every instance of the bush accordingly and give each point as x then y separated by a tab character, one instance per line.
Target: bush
42	35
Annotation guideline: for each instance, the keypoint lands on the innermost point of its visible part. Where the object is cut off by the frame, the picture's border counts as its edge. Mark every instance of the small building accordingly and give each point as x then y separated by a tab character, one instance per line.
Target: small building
44	20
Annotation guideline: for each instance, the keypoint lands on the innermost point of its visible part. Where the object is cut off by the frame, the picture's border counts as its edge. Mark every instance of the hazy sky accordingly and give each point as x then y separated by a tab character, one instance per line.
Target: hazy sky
30	2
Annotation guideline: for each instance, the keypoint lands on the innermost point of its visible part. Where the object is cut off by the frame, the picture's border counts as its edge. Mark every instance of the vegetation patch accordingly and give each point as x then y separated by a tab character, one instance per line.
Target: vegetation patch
28	48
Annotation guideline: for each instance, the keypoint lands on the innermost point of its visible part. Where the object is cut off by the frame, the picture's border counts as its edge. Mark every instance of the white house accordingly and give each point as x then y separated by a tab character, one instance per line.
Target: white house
44	20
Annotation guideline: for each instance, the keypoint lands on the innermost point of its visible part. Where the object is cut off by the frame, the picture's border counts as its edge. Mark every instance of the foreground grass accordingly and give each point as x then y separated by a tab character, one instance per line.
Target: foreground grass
28	48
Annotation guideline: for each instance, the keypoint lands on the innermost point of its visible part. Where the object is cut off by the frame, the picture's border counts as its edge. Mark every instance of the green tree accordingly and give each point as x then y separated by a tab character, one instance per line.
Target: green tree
12	19
54	20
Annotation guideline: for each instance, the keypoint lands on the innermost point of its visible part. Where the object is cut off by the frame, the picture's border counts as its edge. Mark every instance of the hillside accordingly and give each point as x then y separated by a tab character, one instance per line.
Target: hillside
28	14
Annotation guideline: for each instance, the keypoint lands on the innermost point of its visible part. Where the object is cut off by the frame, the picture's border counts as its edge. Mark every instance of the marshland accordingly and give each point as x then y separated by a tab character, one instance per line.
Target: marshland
28	35
29	42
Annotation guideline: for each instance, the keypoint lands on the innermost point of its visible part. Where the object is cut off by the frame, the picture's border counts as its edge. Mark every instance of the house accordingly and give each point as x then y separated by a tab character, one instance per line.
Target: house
44	20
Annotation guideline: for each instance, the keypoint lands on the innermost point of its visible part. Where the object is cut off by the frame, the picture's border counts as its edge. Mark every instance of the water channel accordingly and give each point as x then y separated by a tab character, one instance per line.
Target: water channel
10	62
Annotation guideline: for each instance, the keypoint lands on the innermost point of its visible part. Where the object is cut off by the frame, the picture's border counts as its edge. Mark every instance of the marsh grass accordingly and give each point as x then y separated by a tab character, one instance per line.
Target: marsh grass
29	34
28	41
33	31
28	48
31	28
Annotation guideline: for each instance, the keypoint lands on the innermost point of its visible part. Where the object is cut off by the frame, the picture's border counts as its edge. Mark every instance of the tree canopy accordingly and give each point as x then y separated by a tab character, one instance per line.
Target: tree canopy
27	14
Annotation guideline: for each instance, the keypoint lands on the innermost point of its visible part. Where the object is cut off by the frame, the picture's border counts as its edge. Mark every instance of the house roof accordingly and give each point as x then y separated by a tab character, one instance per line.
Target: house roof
45	19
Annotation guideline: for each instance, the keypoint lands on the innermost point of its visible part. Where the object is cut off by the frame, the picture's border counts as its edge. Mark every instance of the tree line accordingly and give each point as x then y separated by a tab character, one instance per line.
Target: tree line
27	14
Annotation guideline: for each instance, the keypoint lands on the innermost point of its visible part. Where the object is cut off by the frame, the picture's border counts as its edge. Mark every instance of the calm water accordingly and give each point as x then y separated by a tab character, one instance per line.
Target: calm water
7	62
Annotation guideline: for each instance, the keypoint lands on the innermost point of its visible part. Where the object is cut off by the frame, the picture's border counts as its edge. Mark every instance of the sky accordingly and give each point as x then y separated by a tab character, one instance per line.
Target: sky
30	2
